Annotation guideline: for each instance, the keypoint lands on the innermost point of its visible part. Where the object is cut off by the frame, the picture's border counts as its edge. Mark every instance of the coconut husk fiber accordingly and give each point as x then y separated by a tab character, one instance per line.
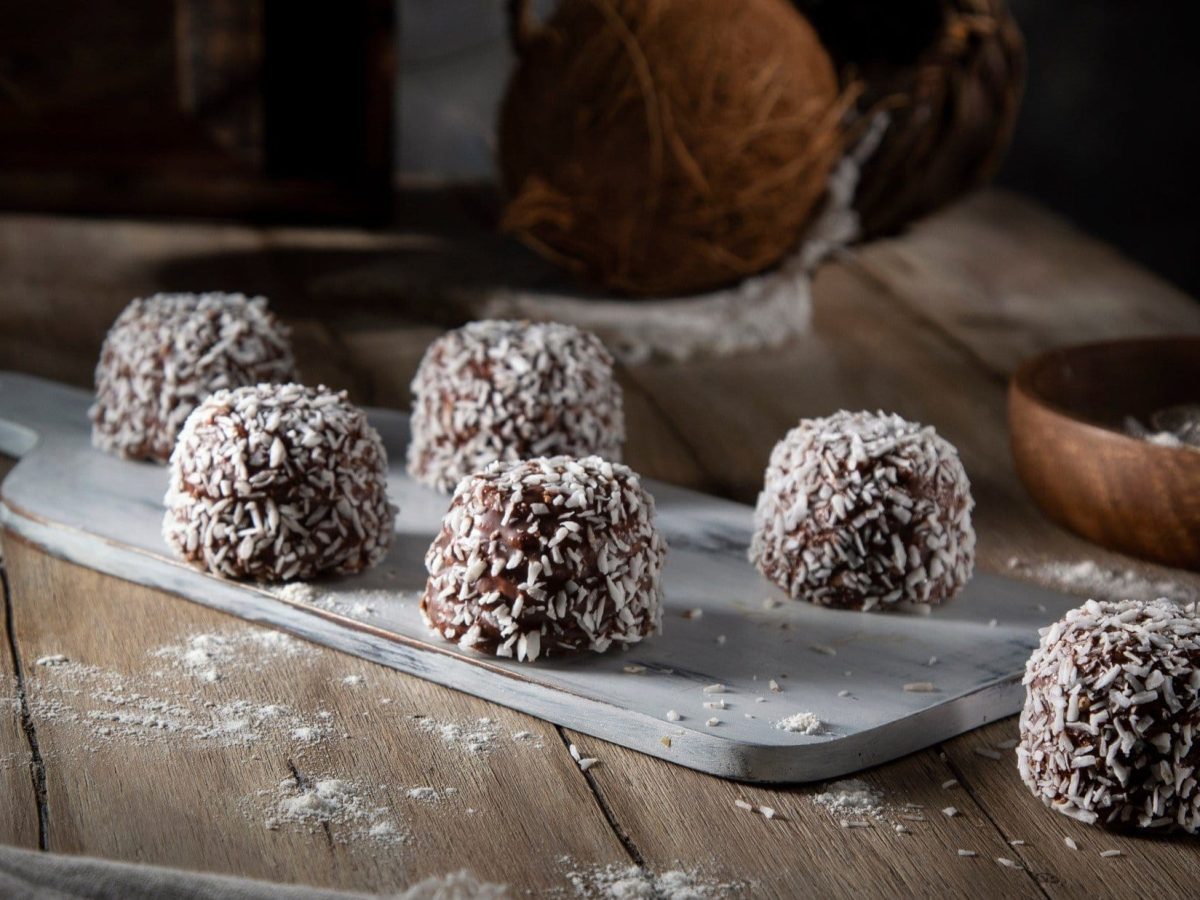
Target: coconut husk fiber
666	147
948	74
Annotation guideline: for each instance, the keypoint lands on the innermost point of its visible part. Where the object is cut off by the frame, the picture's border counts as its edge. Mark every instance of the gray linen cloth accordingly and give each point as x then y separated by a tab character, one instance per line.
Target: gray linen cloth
52	876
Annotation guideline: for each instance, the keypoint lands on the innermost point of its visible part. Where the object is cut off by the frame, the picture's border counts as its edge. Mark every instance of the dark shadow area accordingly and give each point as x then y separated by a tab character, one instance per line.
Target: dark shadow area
1108	134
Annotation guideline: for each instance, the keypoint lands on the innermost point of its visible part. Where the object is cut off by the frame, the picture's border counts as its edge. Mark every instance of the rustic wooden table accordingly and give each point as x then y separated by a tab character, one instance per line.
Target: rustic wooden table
102	755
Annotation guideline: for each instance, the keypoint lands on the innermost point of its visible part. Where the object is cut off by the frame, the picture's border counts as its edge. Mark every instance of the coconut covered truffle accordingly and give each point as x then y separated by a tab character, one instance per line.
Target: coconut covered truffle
278	482
1111	713
865	511
166	353
501	390
546	557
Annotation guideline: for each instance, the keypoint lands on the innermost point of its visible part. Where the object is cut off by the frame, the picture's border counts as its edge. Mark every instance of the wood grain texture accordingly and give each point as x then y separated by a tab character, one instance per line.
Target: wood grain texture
174	800
668	814
18	774
1005	279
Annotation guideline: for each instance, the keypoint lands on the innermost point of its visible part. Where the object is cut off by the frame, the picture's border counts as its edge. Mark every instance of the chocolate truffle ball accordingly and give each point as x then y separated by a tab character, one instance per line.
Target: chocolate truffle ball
166	353
1112	715
865	511
278	482
499	390
546	557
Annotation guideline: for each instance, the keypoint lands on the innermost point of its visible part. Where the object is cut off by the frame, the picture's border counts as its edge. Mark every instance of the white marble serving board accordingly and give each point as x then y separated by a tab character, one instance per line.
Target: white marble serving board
105	513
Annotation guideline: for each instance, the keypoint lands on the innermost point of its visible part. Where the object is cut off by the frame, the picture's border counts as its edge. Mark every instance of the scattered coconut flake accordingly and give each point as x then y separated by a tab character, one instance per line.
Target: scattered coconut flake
673	716
425	794
1016	843
353	603
919	687
949	783
332	803
1087	578
633	669
823	649
801	722
477	738
744	804
851	795
1109	854
1008	863
721	640
696	613
618	882
715	704
967	853
717	688
767	812
587	762
54	659
713	722
212	656
933	661
950	812
353	679
774	686
1070	842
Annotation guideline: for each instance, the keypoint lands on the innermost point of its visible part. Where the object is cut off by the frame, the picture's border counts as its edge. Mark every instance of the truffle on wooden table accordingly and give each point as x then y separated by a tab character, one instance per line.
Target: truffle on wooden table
1112	714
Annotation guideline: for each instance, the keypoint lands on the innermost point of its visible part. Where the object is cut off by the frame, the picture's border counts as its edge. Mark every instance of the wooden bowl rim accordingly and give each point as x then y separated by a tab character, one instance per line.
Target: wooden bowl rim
1022	382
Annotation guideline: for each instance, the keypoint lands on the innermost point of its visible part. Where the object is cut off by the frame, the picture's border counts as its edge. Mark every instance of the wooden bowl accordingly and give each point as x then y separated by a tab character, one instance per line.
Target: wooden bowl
1066	414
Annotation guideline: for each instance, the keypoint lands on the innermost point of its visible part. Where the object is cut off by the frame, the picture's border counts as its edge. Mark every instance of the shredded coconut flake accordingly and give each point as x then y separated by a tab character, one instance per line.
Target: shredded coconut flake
801	722
506	390
864	511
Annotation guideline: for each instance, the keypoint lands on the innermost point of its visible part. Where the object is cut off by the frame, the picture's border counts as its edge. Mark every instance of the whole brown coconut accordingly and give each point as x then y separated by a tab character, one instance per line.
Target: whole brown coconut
950	74
667	146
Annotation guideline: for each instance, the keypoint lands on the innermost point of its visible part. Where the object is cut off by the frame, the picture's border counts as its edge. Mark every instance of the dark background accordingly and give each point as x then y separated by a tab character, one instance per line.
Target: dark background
1109	134
282	110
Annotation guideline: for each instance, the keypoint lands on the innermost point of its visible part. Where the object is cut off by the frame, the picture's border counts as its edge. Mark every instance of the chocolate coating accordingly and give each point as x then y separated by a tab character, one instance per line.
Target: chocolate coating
278	482
166	353
546	557
500	390
1112	712
865	511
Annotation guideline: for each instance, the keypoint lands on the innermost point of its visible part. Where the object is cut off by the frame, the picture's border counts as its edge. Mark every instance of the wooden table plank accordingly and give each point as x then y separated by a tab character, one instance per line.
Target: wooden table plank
1151	867
1004	277
18	774
172	798
670	813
